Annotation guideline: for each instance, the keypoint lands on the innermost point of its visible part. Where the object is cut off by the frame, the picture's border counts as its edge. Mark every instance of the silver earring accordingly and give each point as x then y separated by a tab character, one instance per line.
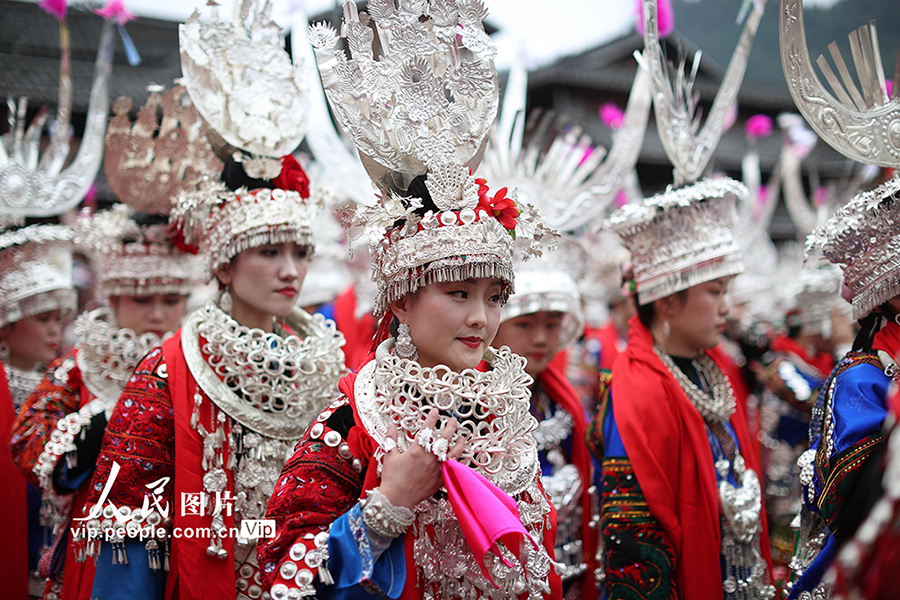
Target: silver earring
226	302
667	329
404	346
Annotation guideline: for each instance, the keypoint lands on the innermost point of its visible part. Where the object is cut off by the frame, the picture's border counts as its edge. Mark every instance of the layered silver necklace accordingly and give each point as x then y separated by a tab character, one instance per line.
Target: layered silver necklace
21	383
494	415
107	354
270	386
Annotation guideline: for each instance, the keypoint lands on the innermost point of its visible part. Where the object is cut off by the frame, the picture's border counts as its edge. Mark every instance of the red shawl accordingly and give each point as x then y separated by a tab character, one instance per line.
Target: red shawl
188	559
665	439
13	504
888	339
363	444
821	362
357	332
609	338
558	388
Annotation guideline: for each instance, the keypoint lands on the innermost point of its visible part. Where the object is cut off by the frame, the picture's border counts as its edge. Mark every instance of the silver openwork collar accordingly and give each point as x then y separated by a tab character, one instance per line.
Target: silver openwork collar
718	403
107	353
492	407
21	383
270	383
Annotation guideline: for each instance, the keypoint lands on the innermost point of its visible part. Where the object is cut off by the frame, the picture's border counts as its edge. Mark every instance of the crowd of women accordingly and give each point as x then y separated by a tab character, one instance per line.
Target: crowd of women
556	397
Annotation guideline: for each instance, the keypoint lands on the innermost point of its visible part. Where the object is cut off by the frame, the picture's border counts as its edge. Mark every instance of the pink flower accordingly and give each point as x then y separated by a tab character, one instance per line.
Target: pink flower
666	17
820	196
889	86
611	115
621	198
758	126
57	8
115	10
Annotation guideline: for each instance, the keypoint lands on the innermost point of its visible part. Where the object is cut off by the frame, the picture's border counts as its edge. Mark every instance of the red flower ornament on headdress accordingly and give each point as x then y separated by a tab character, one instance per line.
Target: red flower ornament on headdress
500	207
292	177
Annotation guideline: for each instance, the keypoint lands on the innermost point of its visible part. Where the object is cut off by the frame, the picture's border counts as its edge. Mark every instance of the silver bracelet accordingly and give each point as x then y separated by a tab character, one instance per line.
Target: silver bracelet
382	517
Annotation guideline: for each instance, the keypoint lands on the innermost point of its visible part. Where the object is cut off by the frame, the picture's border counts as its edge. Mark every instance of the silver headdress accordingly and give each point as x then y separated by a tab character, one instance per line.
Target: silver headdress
682	237
686	235
39	184
687	145
132	259
861	125
813	295
423	108
243	83
551	283
149	163
36	272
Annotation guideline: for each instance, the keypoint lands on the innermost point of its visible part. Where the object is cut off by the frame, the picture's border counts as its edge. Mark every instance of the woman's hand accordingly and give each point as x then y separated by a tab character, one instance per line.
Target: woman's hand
409	477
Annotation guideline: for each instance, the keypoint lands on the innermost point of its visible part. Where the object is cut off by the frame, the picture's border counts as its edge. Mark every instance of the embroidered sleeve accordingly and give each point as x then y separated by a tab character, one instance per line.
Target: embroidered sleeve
56	396
319	528
594	434
855	410
139	438
639	559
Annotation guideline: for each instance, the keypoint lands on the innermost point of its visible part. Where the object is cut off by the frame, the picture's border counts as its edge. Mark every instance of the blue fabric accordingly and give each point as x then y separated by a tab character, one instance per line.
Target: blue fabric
858	407
814	573
64	480
132	581
350	563
793	429
326	310
612	440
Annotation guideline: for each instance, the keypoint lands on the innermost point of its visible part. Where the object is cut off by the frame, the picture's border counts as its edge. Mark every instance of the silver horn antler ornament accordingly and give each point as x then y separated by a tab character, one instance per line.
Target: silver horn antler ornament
676	118
862	123
37	185
556	166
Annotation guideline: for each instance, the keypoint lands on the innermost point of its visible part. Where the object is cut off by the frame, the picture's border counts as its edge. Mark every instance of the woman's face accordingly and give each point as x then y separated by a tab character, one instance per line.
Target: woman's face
696	319
452	323
33	340
157	313
265	282
534	336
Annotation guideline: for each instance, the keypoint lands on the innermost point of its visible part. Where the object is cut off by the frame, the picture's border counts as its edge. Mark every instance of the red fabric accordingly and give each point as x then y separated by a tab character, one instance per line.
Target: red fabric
357	332
665	439
888	339
609	339
558	388
13	504
821	362
188	559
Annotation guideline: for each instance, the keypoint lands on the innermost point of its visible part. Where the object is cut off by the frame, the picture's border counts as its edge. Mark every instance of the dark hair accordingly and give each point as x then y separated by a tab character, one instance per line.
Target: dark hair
647	312
418	189
235	177
870	325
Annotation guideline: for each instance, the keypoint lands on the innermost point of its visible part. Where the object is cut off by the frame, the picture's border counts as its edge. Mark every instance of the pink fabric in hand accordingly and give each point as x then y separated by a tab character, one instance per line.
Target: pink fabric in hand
486	514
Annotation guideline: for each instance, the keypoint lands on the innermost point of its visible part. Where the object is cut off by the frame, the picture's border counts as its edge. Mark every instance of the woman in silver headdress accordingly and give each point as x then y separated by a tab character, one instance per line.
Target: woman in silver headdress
56	438
372	501
680	500
217	409
36	295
